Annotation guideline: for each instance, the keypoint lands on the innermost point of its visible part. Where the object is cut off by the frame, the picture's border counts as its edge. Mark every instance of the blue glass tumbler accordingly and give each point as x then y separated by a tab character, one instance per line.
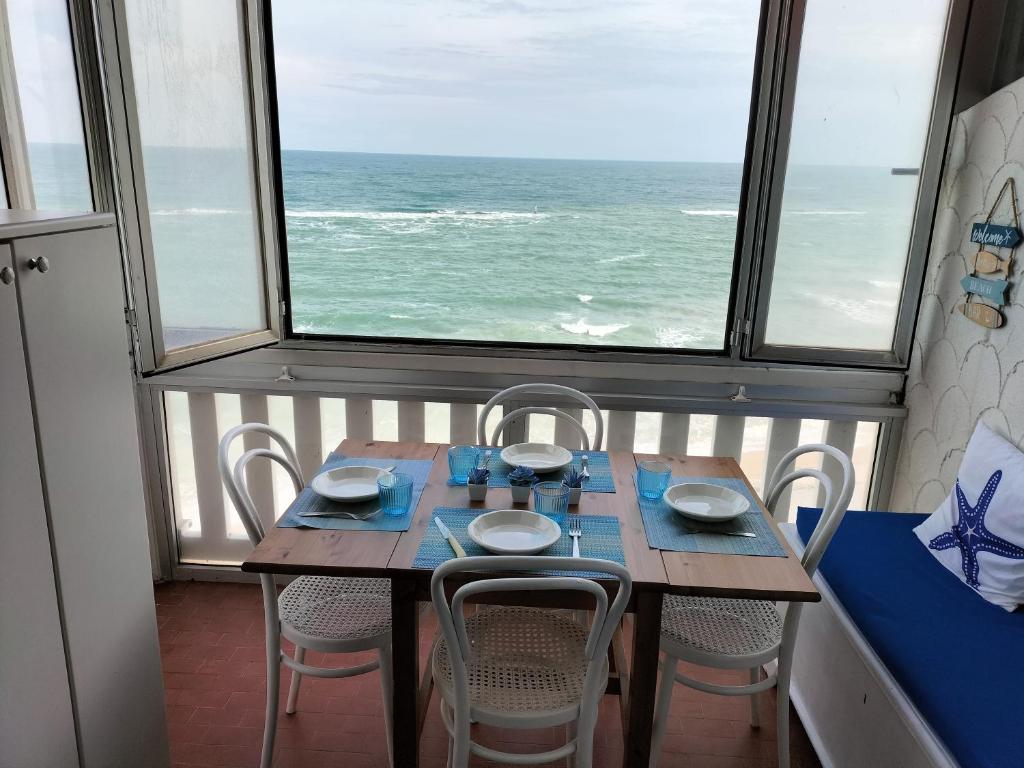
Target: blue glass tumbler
395	493
652	478
550	498
461	459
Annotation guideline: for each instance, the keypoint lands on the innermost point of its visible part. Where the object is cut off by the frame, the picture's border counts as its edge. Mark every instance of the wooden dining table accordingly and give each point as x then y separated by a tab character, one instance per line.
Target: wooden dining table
655	572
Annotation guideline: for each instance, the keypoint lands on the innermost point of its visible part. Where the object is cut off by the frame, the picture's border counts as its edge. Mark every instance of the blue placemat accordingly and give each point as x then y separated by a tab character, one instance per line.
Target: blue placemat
309	500
598	465
601	539
665	528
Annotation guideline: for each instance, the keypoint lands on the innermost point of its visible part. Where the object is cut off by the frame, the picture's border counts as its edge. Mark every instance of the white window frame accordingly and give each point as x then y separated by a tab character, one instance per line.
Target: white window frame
763	252
132	201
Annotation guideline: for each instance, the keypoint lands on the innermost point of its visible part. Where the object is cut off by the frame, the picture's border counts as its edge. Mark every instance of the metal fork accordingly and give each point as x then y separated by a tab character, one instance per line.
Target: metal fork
575	530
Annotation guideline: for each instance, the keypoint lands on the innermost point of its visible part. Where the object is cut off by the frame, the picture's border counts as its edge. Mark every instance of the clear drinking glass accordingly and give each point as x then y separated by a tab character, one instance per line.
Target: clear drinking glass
461	459
550	498
652	478
395	493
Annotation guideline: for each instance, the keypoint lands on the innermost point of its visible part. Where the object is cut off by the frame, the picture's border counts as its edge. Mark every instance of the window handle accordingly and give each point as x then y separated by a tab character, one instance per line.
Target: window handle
42	264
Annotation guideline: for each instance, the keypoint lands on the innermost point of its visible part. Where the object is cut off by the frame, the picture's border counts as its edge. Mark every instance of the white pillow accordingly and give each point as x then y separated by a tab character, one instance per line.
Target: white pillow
978	531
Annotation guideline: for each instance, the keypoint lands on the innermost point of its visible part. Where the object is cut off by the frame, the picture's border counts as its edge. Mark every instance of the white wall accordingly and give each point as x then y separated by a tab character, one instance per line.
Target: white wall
959	371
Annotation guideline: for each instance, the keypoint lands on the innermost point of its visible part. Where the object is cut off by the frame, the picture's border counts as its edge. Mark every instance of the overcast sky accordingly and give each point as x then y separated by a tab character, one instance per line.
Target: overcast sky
606	79
615	79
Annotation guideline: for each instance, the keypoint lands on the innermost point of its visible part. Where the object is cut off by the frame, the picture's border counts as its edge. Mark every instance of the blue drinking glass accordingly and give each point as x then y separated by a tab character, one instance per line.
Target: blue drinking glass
395	493
461	459
652	478
550	499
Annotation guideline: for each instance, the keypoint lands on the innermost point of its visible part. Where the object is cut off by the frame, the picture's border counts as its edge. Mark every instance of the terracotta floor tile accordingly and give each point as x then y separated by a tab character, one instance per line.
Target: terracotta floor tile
214	675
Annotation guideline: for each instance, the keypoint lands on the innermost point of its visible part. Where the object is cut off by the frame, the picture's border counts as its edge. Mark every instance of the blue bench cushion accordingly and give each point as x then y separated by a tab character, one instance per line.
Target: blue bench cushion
959	658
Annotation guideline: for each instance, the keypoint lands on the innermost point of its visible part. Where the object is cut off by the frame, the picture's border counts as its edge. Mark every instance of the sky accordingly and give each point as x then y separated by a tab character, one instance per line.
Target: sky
600	79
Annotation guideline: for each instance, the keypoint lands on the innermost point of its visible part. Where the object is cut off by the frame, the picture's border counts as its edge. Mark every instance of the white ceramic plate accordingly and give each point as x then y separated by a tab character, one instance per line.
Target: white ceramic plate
540	457
348	483
514	531
703	501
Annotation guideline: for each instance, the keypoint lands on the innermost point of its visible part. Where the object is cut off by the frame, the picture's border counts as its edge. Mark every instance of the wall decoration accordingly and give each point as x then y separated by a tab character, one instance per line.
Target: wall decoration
986	262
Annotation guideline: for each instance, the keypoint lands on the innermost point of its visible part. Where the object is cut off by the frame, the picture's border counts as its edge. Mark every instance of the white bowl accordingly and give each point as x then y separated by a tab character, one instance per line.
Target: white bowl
707	502
355	483
513	532
540	457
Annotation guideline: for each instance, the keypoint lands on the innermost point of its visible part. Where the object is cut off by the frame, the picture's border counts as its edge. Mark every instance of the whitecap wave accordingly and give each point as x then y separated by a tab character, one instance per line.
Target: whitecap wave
585	298
887	285
582	328
686	212
677	337
621	257
400	317
419	215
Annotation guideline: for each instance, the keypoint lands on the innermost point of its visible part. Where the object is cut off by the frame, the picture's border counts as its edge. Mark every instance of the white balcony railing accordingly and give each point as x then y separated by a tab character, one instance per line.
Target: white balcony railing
208	530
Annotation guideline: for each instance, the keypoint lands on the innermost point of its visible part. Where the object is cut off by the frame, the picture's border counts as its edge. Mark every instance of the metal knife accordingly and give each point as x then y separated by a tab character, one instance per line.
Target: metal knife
456	547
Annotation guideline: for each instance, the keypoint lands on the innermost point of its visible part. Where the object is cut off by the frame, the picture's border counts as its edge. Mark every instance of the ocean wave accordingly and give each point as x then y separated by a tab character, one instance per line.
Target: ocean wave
709	213
887	285
419	215
868	311
582	328
198	212
621	257
400	317
678	337
585	298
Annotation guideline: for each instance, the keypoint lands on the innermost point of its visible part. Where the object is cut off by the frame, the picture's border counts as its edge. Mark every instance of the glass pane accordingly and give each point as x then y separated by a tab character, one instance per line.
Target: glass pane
50	109
197	156
863	102
547	171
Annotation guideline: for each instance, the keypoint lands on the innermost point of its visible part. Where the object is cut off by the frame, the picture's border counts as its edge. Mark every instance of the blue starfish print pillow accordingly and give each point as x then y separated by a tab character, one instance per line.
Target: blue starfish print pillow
978	531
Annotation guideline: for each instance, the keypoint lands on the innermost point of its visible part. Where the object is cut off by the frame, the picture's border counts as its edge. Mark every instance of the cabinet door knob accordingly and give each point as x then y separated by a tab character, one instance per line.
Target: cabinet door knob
42	264
6	275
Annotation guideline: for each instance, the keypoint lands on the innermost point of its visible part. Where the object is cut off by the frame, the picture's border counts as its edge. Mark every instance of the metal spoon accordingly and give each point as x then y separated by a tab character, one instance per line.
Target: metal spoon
584	461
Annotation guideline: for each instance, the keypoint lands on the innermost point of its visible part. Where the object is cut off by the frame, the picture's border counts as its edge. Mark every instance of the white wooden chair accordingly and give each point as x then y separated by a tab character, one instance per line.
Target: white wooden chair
517	668
331	615
522	390
747	634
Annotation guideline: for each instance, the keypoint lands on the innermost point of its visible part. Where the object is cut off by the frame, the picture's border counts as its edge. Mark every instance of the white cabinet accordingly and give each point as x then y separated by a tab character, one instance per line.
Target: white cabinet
80	658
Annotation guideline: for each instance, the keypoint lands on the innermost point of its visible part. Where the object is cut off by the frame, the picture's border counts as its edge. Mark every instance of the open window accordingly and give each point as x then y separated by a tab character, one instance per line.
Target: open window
192	122
42	141
862	135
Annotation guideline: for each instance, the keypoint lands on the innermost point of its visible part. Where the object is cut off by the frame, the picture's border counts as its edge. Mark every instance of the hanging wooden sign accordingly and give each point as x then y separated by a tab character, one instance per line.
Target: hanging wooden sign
993	290
995	235
982	314
987	263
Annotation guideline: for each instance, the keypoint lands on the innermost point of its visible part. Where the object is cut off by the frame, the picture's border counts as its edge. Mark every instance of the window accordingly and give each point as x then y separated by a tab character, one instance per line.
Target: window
43	86
189	69
859	125
546	172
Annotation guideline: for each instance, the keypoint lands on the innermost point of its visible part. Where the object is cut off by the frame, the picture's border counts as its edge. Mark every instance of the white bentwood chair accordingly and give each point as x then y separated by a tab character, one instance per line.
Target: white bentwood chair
320	613
516	667
747	634
522	390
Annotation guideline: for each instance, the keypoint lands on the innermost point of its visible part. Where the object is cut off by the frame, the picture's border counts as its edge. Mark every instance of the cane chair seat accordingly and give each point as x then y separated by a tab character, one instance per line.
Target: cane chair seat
523	660
721	626
337	608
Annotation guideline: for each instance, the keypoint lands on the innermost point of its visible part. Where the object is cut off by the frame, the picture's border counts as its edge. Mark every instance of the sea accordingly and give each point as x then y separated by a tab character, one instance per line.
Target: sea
636	254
